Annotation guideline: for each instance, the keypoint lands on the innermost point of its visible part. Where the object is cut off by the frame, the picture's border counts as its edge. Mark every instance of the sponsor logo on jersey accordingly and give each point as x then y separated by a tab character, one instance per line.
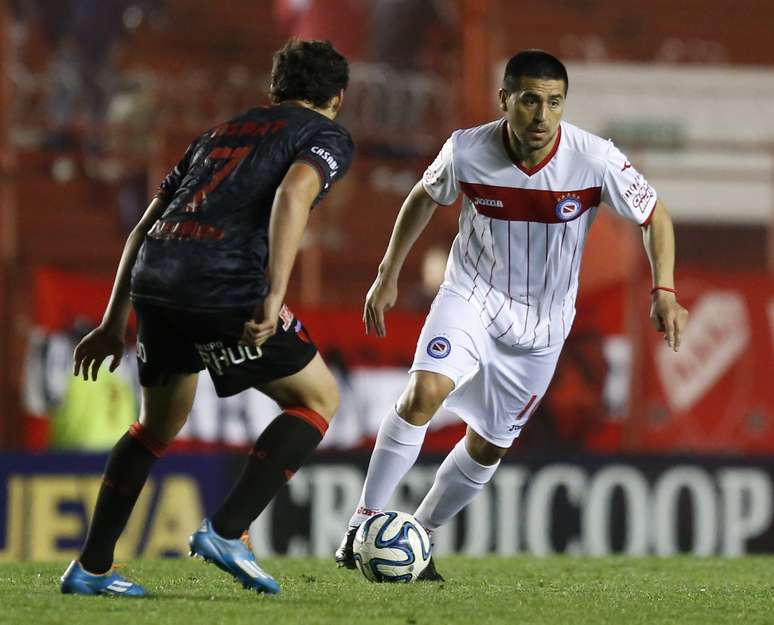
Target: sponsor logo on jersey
327	157
439	347
639	193
186	230
484	201
626	166
568	207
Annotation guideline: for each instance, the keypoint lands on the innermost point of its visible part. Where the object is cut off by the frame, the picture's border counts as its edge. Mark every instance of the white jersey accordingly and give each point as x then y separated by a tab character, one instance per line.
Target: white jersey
517	255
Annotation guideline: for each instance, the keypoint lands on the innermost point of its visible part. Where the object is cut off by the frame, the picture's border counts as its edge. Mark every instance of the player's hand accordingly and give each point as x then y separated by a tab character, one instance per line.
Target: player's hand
380	298
94	348
263	326
669	317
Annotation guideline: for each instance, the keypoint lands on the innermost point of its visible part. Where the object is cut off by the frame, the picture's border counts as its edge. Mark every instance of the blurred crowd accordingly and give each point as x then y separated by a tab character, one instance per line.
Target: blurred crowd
93	79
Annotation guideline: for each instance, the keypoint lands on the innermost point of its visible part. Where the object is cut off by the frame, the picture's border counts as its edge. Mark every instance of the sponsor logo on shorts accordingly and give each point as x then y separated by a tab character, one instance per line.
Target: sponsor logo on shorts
218	358
439	347
141	353
569	207
286	317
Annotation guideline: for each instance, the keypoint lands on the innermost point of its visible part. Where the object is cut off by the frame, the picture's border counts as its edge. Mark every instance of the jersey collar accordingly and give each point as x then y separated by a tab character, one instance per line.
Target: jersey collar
530	171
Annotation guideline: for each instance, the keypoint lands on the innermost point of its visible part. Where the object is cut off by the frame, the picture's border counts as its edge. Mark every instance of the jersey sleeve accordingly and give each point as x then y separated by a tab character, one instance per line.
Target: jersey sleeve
439	179
330	152
174	178
626	190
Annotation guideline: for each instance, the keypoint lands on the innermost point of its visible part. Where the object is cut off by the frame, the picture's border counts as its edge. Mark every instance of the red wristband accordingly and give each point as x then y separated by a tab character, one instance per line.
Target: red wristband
662	288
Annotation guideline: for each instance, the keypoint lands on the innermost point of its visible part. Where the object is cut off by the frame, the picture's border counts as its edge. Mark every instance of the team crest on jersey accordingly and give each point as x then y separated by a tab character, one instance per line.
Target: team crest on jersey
569	207
439	347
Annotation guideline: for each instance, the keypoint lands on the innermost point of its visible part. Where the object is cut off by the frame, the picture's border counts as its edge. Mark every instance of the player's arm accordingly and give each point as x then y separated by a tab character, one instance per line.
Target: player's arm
414	215
289	215
108	338
667	315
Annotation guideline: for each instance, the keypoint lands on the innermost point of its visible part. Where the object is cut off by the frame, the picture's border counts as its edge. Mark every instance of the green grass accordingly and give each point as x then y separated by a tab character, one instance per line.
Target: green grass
521	590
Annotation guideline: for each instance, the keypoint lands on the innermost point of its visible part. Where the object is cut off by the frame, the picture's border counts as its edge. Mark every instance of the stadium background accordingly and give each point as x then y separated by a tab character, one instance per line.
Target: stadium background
633	450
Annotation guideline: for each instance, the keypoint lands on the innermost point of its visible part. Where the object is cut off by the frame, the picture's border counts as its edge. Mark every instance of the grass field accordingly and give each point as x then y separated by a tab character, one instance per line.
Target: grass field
523	590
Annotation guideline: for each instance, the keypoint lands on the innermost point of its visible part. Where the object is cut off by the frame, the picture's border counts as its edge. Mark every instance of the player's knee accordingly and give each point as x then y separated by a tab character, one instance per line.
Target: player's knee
163	428
423	396
482	451
331	402
325	399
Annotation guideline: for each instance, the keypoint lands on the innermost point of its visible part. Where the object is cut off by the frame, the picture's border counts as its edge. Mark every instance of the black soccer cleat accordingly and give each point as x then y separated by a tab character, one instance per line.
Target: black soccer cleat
344	556
430	574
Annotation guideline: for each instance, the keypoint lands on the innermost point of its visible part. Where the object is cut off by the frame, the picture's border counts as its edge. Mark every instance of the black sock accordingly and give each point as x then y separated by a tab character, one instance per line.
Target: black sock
279	452
127	469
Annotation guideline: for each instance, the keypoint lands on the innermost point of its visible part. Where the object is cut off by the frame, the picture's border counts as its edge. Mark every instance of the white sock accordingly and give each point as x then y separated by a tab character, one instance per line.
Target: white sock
458	480
396	450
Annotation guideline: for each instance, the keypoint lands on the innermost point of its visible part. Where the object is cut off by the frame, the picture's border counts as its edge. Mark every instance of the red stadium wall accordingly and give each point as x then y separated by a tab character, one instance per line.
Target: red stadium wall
608	395
715	395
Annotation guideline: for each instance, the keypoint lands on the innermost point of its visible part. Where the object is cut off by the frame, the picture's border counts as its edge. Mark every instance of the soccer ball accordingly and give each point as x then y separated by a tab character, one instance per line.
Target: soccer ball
391	547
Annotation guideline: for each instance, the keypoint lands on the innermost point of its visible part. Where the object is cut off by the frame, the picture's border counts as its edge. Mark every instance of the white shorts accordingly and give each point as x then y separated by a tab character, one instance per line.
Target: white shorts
497	387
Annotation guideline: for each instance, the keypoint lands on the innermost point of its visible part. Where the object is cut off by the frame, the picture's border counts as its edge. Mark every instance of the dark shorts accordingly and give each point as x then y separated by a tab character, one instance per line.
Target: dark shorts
171	341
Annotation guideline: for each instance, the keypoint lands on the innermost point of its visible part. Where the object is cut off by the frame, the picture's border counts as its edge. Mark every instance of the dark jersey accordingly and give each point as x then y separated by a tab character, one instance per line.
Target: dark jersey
209	250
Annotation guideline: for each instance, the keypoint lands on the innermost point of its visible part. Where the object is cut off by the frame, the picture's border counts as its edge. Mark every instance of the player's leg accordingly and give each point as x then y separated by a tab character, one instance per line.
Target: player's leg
496	404
400	439
461	476
168	368
288	369
446	355
164	411
309	399
397	447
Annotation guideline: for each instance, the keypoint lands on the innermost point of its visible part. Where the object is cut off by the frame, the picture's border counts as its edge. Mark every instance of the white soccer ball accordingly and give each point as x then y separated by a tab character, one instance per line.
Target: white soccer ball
391	547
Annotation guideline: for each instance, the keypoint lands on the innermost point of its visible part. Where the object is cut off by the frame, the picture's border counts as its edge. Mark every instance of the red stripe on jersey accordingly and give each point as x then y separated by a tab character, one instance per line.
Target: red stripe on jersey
536	205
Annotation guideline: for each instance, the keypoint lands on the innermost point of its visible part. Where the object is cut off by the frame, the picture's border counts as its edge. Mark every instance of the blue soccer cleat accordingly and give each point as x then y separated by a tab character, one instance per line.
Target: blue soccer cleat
233	557
76	581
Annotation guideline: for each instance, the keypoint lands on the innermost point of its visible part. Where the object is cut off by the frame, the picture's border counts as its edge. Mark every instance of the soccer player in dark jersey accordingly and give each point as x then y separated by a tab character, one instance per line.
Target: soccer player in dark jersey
206	270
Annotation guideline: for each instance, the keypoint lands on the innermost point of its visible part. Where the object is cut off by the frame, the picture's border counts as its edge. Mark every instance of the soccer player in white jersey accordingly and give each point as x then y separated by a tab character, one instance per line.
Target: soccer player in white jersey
531	186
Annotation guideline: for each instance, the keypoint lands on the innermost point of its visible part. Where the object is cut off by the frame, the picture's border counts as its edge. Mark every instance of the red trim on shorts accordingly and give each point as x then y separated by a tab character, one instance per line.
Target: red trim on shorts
527	407
310	416
139	432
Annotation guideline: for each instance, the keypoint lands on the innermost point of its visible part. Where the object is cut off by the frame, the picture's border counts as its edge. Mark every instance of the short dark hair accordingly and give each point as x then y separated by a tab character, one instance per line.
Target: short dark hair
308	70
533	64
